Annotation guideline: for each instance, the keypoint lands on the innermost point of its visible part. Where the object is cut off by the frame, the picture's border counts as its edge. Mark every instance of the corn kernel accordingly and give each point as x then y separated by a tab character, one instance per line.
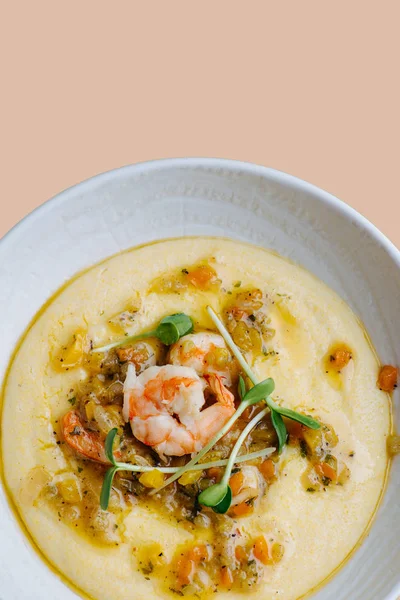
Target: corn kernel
241	337
152	479
70	490
74	354
190	477
221	357
344	475
277	552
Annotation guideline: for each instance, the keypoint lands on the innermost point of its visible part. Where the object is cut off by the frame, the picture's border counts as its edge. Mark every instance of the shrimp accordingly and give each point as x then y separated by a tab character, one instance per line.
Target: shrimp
164	406
206	353
86	443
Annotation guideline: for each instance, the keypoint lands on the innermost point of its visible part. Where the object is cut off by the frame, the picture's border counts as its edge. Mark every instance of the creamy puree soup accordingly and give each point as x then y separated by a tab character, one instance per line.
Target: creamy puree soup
307	443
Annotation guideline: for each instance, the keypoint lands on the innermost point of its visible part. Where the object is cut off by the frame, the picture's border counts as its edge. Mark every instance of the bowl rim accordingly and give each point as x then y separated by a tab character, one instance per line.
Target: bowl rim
278	176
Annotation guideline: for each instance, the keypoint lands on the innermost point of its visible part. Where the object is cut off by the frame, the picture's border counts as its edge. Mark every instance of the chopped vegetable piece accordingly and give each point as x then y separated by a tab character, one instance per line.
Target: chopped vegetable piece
74	354
240	553
198	553
277	552
152	479
226	577
236	482
339	358
190	477
267	469
325	470
243	509
215	473
70	490
203	277
261	550
344	475
185	571
138	354
387	379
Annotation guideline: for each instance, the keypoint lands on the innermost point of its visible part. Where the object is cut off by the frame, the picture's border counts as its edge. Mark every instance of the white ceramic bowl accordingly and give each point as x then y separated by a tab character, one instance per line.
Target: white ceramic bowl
170	198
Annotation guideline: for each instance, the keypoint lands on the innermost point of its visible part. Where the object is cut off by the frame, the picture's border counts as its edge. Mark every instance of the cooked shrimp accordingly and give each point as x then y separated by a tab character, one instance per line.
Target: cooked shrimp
87	443
205	353
164	407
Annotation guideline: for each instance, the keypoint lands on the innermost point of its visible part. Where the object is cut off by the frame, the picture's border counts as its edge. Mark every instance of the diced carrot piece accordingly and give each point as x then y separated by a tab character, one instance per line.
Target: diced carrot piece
185	570
261	551
125	354
242	509
325	470
295	429
340	358
236	482
226	577
387	378
267	469
202	277
214	473
198	553
240	554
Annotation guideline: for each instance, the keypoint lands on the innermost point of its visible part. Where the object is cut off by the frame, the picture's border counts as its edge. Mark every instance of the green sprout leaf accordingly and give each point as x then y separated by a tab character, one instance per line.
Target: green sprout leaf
223	506
260	391
172	328
108	446
241	387
182	322
169	330
214	494
106	487
280	429
293	415
167	333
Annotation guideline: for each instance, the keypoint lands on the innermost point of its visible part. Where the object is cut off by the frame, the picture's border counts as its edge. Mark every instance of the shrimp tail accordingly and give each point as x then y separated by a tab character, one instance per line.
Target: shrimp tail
223	395
86	443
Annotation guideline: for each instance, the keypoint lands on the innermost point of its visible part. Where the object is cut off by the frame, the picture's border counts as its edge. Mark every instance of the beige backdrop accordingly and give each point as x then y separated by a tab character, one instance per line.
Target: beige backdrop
310	87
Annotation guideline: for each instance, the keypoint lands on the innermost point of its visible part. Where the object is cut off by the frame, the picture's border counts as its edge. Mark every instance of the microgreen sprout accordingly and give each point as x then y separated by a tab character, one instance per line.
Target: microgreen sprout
120	466
169	330
219	495
276	410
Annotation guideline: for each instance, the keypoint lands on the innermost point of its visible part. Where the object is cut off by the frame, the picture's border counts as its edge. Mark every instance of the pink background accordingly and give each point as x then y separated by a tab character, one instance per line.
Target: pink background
308	87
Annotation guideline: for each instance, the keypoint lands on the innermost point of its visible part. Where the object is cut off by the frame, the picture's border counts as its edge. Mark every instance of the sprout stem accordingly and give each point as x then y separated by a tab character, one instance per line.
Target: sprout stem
232	458
199	467
230	343
126	340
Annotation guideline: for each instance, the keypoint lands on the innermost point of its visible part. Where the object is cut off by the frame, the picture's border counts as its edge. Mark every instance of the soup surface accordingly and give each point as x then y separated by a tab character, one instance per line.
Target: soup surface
299	504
